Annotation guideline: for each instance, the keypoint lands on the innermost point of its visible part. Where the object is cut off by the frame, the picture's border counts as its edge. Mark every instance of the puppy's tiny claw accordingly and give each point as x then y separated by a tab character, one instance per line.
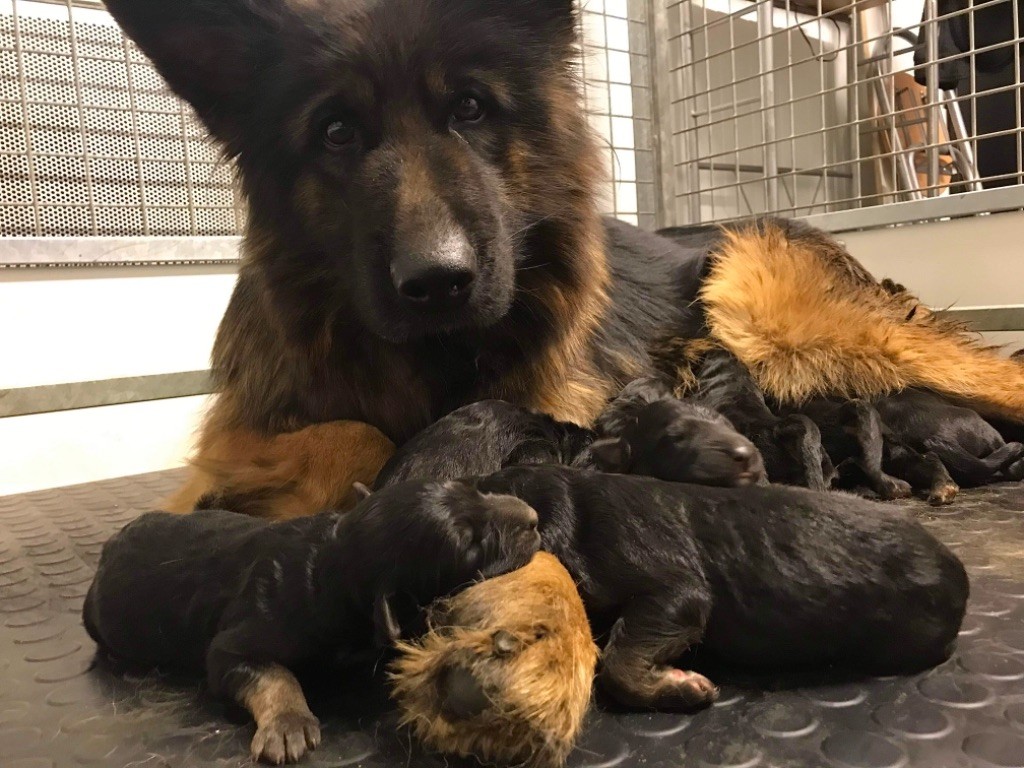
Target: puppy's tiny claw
505	643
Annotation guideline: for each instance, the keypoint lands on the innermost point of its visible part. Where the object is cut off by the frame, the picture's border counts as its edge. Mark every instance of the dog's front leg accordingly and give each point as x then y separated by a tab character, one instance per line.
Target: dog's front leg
652	631
285	727
286	475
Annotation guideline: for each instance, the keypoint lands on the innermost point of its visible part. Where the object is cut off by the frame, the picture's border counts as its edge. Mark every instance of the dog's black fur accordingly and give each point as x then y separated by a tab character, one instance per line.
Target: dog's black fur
661	437
764	576
233	595
852	435
970	448
791	446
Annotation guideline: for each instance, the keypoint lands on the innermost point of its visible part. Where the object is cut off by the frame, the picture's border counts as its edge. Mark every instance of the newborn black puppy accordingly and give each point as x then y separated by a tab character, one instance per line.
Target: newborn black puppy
852	434
247	601
970	448
790	446
650	432
483	437
666	438
765	576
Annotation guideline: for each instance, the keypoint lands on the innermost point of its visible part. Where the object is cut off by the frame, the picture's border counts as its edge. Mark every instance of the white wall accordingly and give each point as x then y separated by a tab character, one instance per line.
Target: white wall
91	324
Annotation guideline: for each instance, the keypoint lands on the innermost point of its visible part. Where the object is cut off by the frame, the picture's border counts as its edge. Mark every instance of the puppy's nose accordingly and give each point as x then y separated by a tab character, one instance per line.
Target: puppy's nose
742	454
438	277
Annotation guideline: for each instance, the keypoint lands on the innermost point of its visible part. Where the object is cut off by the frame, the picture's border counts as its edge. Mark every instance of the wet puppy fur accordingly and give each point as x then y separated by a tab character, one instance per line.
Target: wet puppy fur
248	602
970	448
791	445
764	577
643	431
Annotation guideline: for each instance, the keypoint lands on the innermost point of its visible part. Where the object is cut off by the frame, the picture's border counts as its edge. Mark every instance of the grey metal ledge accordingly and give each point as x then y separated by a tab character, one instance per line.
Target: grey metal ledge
29	252
91	394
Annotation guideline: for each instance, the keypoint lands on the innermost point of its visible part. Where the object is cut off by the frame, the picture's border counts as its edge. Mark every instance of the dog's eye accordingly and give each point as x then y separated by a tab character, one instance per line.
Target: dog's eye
468	109
339	134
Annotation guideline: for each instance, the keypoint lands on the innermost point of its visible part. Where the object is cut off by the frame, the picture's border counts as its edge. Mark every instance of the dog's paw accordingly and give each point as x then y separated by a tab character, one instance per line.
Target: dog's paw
944	494
680	689
286	738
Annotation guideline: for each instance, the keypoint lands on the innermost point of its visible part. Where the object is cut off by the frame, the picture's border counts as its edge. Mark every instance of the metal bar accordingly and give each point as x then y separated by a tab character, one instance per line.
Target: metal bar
767	82
931	35
51	398
661	98
950	206
990	319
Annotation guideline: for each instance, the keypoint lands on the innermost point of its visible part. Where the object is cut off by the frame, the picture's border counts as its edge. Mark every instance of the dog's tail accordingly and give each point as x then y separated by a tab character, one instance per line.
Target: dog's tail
794	309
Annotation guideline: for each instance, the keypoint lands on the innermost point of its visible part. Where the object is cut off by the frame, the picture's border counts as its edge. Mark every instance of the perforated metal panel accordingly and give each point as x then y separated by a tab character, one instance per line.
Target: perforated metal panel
92	143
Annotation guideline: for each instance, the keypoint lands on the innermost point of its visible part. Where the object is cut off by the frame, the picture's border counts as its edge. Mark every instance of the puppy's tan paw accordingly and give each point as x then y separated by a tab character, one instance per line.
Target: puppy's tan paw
680	689
893	488
943	494
286	738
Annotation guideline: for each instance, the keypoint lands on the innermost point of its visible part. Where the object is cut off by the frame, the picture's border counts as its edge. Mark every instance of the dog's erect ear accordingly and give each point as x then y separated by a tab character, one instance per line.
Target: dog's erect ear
387	630
210	52
557	16
612	454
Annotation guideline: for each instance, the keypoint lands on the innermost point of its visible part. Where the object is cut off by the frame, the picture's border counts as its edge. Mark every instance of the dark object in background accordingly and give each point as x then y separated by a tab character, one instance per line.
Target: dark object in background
851	432
791	446
247	601
970	448
993	70
764	577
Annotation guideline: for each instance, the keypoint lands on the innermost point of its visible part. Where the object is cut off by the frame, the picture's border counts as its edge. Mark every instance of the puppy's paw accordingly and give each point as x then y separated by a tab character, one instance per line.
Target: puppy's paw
286	738
891	488
944	494
680	689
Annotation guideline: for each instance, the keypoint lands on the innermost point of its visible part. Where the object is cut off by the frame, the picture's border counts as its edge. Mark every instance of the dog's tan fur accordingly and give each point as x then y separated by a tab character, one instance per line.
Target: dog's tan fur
287	475
805	327
539	694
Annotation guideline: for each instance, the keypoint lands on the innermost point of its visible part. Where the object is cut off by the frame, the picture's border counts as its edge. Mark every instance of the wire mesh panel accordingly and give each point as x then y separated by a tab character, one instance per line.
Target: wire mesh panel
810	107
92	143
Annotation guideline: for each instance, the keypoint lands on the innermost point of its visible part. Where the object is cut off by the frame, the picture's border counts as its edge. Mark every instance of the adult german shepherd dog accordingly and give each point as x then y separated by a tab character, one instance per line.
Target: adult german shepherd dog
423	232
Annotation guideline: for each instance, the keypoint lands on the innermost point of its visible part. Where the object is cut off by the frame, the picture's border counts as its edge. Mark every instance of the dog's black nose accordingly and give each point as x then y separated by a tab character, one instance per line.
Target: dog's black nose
438	280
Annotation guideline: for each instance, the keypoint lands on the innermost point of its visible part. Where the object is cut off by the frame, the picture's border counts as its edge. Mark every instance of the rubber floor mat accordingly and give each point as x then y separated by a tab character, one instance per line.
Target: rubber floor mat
59	708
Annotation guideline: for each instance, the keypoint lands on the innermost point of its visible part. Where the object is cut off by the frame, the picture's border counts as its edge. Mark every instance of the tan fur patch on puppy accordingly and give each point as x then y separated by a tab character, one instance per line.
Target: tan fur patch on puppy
526	645
807	326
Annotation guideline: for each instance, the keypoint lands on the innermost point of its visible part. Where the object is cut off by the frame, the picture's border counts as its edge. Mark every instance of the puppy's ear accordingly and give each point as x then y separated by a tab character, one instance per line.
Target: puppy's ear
211	52
790	428
612	454
387	630
362	491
